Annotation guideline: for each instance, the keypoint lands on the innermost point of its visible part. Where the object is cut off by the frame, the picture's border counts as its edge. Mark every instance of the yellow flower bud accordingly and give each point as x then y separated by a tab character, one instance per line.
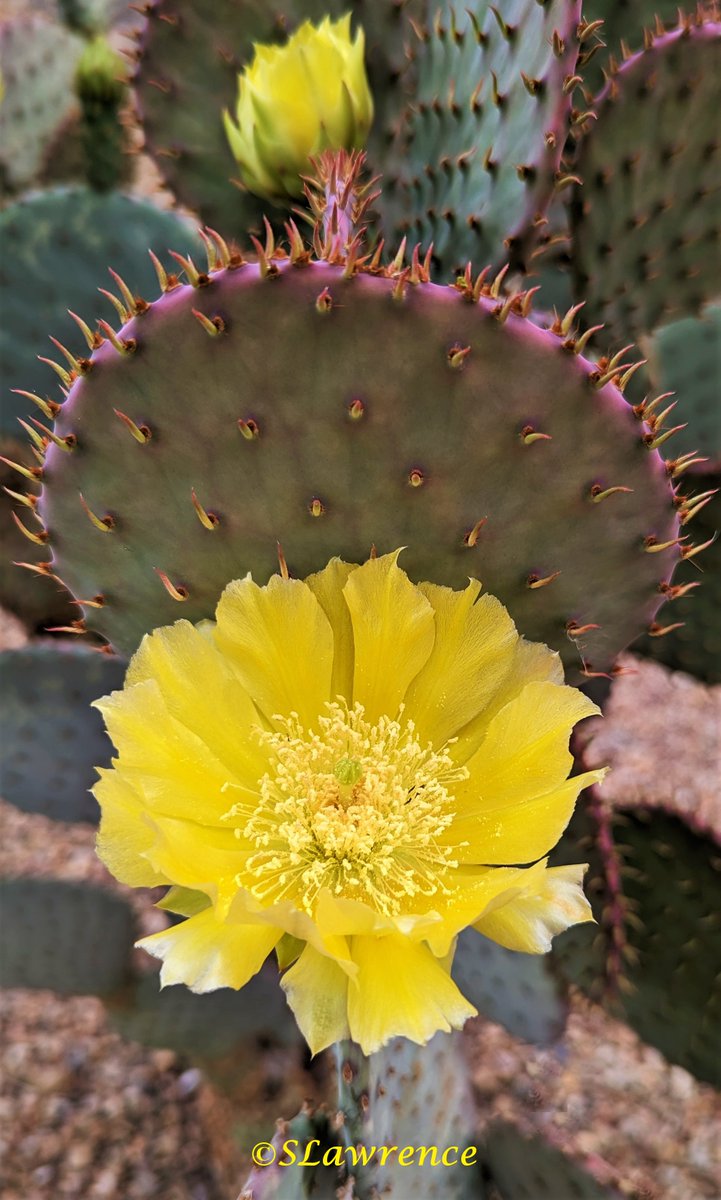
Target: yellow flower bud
295	101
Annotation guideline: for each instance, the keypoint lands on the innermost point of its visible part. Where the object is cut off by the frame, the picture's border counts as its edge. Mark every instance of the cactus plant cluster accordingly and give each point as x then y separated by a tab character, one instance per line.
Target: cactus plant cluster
306	390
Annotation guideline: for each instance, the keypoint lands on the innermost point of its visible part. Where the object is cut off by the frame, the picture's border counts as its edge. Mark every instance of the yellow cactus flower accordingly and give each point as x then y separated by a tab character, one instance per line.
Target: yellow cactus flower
296	100
343	770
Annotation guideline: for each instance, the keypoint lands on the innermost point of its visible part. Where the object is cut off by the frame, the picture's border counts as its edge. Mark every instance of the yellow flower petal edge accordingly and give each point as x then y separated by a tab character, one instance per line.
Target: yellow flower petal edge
296	100
345	771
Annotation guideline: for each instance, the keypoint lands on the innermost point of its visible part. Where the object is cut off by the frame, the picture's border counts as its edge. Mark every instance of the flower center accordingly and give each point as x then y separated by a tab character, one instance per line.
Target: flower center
353	807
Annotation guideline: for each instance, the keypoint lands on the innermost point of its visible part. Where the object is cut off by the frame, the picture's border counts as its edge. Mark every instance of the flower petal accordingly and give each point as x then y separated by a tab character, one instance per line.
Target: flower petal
327	586
205	953
401	991
549	903
126	832
317	991
393	631
280	643
201	690
469	661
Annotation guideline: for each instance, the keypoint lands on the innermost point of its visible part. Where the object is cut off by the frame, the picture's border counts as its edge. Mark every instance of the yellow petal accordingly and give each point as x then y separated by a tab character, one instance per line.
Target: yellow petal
471	894
281	645
126	832
550	902
205	953
327	586
529	662
317	991
401	990
393	632
201	690
469	661
199	857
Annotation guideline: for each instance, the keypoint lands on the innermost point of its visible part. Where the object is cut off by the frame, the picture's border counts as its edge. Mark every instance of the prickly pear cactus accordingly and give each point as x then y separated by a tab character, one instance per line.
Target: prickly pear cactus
529	1168
188	60
52	740
37	61
154	499
645	220
70	937
56	248
478	156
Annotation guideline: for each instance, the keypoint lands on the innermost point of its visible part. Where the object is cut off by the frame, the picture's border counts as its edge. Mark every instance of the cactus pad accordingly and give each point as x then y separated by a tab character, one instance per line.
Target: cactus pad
56	248
37	60
52	740
68	937
349	412
518	991
189	57
528	1168
480	146
646	220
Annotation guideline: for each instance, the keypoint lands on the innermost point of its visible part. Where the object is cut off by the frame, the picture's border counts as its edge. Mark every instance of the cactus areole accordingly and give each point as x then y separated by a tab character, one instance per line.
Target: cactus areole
331	406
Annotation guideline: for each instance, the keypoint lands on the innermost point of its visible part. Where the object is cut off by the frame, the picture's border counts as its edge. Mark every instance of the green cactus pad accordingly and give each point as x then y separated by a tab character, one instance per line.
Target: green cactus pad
343	417
68	937
55	249
52	740
529	1168
518	991
95	16
189	58
293	1182
685	358
421	1096
646	221
206	1026
37	60
624	21
478	157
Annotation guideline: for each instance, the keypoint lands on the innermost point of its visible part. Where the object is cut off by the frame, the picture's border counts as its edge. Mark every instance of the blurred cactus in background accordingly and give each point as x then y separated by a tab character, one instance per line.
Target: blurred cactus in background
431	345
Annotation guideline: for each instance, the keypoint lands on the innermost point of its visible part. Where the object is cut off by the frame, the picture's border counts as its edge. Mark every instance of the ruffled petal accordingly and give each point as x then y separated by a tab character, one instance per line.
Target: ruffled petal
280	643
198	857
469	661
202	692
327	586
401	990
317	991
550	901
205	953
393	632
126	832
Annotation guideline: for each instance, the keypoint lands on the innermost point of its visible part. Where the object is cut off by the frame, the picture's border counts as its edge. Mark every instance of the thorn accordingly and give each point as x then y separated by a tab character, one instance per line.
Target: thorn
495	289
527	300
212	325
529	435
656	631
652	546
559	46
93	339
502	311
78	366
67	443
316	508
457	356
210	520
124	346
587	28
104	524
598	493
695	504
507	30
677	466
163	278
627	375
472	536
121	310
79	627
195	279
43	568
65	376
416	478
249	429
373	552
141	433
179	593
96	602
266	266
688	552
674	591
324	302
300	255
398	292
356	410
221	246
588	672
570	317
282	564
397	264
574	630
25	498
38	538
535	581
580	343
564	181
31	473
47	407
653	443
570	83
38	442
532	86
136	305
